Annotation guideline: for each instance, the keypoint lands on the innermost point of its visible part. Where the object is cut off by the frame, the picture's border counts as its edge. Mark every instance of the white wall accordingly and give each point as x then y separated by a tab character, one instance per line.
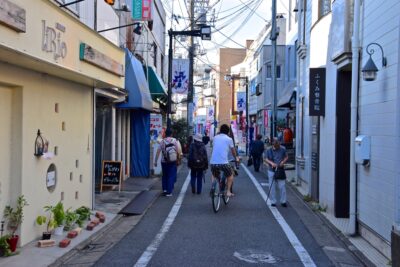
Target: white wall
378	104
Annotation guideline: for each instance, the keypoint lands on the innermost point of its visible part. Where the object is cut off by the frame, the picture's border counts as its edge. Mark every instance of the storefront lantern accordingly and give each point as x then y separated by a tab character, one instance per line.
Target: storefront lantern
39	144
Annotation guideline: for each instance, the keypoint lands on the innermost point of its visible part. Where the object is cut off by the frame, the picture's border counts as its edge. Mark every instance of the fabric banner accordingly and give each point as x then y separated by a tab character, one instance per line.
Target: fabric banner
210	114
180	76
241	101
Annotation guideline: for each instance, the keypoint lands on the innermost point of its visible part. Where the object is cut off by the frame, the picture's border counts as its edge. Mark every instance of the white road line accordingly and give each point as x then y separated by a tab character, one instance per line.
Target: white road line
152	248
298	247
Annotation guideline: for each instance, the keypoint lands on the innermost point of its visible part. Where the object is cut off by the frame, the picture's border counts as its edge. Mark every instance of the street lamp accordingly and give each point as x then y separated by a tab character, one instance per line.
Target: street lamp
229	78
205	33
369	70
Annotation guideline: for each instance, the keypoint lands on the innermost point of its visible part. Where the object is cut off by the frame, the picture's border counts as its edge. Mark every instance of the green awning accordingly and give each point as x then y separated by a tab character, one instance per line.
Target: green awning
158	90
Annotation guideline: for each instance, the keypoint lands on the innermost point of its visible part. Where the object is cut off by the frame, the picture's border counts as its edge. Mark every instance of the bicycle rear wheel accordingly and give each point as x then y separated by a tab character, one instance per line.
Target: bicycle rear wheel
215	196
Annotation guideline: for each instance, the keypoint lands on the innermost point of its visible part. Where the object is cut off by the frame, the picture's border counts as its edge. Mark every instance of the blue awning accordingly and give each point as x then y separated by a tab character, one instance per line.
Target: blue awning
139	96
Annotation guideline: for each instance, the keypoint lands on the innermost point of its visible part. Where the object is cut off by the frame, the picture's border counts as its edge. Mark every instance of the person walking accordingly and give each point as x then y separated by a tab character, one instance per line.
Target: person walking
197	162
219	162
257	150
206	138
171	156
276	158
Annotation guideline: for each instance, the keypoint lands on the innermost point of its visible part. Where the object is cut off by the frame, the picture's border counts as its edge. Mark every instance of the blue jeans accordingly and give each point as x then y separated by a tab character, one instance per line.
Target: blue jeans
196	174
168	176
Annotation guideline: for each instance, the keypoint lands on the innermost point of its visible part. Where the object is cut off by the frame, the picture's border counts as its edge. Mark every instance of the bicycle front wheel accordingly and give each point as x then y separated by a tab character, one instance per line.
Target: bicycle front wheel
215	196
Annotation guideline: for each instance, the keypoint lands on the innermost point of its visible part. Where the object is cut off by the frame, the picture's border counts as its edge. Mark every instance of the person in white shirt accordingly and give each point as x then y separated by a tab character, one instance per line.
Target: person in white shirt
219	162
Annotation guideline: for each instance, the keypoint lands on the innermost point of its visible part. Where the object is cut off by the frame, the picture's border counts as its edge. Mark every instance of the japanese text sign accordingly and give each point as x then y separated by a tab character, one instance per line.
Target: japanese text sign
141	10
317	91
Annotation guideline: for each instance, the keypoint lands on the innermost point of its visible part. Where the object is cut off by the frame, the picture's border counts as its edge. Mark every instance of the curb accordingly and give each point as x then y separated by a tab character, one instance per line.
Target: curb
86	242
99	234
353	250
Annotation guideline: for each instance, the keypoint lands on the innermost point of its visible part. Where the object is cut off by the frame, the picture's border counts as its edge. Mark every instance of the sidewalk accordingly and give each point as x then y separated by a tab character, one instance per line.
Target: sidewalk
109	202
357	244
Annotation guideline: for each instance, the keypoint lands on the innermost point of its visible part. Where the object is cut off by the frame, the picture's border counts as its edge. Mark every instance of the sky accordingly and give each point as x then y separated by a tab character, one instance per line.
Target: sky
235	22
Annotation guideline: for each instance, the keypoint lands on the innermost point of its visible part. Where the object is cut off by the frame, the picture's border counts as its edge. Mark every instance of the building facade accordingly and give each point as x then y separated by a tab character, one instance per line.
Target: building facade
49	66
333	36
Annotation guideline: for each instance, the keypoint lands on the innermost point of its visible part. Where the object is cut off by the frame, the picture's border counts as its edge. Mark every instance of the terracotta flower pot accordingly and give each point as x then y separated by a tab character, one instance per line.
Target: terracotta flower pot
13	241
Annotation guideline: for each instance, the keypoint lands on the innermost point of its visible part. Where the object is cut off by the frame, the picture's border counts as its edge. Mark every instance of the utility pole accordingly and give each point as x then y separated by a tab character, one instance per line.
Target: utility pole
191	88
247	116
169	80
273	38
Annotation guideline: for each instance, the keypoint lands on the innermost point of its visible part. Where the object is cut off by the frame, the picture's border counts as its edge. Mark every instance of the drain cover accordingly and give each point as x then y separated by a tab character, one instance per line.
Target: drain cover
255	256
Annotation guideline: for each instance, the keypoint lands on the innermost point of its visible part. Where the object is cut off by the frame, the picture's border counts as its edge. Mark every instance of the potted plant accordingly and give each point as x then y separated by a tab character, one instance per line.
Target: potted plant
4	246
70	219
14	219
83	215
49	221
59	218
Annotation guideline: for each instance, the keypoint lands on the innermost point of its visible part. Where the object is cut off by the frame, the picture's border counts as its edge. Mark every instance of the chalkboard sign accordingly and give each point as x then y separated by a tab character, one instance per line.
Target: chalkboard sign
111	173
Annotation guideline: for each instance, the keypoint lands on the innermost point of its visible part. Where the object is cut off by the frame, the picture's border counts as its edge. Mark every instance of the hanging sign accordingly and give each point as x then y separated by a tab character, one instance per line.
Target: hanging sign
317	91
180	76
141	10
241	101
210	114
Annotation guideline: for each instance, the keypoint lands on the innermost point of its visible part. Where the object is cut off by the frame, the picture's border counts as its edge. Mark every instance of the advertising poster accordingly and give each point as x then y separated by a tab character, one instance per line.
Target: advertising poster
155	125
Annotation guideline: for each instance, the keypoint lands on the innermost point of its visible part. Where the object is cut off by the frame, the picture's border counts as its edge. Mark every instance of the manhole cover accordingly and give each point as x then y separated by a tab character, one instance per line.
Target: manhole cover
255	256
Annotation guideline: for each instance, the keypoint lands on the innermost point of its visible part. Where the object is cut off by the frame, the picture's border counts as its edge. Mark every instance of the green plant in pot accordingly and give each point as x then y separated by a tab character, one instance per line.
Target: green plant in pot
71	218
49	221
14	218
4	246
59	218
83	215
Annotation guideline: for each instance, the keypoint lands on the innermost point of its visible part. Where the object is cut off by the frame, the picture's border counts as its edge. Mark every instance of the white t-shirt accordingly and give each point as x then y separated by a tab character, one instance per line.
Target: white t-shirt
221	146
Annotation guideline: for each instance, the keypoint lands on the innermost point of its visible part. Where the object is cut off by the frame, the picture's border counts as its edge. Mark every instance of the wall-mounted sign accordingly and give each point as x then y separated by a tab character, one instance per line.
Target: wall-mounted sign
317	91
12	16
96	58
141	10
52	40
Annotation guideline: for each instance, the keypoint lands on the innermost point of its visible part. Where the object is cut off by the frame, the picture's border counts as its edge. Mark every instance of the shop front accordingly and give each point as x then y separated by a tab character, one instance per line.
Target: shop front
50	65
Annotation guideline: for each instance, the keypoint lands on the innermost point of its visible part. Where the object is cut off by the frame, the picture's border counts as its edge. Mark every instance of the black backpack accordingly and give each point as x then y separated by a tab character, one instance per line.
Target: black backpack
198	158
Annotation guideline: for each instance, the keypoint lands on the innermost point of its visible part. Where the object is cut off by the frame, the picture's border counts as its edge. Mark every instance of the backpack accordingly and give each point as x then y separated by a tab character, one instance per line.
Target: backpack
198	158
169	151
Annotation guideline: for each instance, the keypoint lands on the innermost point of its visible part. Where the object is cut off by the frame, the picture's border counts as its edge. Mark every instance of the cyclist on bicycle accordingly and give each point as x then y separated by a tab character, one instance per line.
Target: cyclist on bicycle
219	162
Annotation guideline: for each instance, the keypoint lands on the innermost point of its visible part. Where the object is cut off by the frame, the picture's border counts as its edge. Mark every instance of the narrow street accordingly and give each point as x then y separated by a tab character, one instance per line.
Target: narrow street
245	232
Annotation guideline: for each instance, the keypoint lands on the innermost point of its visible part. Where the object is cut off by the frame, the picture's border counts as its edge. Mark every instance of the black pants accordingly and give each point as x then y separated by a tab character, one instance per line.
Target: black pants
256	162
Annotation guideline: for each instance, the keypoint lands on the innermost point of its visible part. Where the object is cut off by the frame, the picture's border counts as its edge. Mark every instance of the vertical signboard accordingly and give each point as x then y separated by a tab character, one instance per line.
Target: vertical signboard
141	10
180	76
241	101
317	91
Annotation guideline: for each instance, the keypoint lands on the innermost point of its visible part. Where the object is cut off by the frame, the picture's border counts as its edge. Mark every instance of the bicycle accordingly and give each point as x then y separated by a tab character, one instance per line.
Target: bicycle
218	192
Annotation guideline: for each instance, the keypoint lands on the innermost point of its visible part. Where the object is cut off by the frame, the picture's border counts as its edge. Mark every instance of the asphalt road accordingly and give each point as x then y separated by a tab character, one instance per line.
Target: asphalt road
243	233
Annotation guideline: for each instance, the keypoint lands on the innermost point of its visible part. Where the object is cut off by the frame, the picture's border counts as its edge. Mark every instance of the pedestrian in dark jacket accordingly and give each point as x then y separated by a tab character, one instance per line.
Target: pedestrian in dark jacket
257	149
197	162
